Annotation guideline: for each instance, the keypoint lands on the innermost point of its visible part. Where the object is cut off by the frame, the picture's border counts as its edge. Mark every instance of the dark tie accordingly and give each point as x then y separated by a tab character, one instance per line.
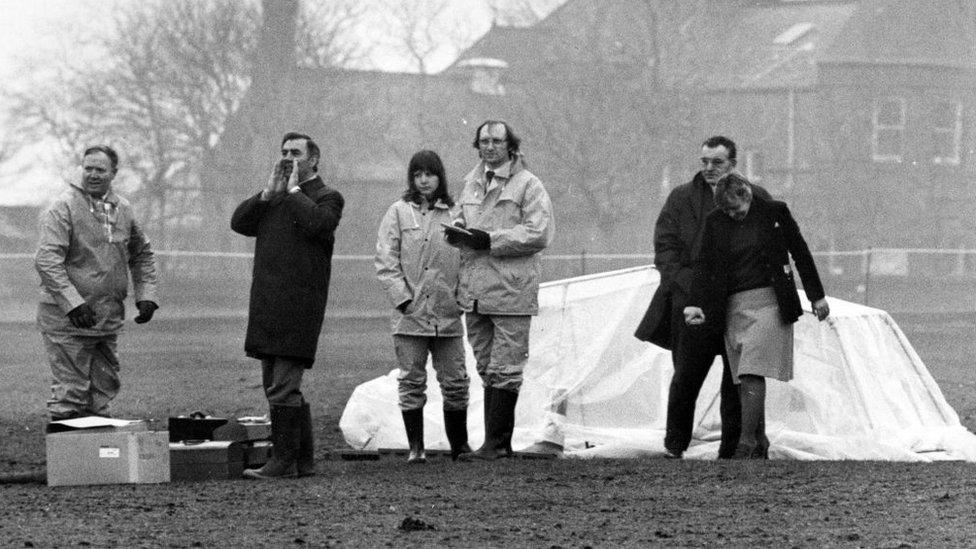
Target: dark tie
489	175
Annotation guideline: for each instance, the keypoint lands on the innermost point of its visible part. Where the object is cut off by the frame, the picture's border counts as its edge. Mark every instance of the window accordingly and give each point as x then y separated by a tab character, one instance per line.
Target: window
487	81
754	167
888	135
486	74
946	132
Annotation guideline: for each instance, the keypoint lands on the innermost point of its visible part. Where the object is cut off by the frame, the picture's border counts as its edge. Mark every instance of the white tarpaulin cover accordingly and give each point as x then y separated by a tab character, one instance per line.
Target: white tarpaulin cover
859	392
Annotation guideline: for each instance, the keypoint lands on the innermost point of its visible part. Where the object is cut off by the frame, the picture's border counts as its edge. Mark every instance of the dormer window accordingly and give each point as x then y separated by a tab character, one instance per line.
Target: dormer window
486	75
792	34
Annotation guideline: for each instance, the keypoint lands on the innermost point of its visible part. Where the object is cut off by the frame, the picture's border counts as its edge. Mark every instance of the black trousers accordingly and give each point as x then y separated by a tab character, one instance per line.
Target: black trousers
692	355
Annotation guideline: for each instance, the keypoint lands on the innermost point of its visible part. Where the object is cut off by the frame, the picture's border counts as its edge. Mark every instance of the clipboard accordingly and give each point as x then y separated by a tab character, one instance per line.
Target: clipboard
455	229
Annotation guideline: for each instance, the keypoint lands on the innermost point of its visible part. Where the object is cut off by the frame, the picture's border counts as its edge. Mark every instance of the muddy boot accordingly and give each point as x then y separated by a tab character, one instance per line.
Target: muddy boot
286	428
456	427
306	444
413	421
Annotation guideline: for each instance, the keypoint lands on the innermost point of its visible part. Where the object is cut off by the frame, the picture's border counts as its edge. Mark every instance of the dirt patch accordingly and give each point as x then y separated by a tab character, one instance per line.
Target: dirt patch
562	503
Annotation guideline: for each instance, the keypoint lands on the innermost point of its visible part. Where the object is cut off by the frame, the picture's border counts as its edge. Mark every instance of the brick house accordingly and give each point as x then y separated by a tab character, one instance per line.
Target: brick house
858	113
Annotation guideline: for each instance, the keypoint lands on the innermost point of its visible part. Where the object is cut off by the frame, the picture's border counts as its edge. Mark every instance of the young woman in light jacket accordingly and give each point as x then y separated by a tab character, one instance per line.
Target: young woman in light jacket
419	272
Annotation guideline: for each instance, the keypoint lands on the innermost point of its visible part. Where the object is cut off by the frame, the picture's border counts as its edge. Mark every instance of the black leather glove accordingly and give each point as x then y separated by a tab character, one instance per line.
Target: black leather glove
479	240
454	239
403	306
146	310
82	316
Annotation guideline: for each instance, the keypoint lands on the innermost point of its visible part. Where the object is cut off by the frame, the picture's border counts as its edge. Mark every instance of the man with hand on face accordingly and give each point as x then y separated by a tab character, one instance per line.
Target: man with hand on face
508	220
90	241
294	221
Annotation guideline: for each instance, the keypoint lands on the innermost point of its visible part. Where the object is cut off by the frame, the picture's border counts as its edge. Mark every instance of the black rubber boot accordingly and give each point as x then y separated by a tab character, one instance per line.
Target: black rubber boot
286	429
456	427
506	408
306	444
489	393
498	429
413	421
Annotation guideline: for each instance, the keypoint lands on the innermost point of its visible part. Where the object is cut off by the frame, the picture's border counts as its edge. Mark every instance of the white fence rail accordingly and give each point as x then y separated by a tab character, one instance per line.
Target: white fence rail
202	283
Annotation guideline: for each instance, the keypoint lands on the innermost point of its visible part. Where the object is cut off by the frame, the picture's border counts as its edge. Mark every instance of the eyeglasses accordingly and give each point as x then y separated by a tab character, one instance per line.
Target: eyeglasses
716	162
485	142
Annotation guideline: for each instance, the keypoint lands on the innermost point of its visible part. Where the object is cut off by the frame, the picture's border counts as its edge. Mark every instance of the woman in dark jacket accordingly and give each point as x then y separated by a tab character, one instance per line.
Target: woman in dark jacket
744	285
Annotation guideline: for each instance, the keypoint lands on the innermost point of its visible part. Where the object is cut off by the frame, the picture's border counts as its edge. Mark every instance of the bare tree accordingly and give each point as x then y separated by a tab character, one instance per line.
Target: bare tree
176	72
420	32
325	34
613	120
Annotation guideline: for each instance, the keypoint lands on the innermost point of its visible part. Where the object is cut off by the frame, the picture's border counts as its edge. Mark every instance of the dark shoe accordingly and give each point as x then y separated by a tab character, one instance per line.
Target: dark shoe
487	452
668	454
744	451
286	428
456	427
762	449
726	451
306	444
413	421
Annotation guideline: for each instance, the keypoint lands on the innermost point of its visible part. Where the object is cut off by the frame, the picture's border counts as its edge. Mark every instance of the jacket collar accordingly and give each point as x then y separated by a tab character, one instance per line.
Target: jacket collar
502	173
439	204
109	196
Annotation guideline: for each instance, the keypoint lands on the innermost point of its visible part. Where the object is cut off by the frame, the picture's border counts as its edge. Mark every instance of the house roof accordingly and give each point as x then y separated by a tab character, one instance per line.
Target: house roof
774	46
907	32
765	46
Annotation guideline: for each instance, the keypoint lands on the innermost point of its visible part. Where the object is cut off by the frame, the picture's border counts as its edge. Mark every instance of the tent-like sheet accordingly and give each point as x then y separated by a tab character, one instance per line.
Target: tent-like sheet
860	391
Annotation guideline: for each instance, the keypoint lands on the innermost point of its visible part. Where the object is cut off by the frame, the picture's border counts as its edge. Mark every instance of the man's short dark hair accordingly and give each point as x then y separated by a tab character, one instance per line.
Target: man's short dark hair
514	141
721	141
310	145
113	156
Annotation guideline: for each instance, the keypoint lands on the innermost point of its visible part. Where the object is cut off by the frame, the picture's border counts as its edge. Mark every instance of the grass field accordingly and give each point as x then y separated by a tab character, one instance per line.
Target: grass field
175	366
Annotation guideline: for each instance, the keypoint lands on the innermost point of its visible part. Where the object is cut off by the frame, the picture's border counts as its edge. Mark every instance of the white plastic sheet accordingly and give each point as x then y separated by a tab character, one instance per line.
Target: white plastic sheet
860	391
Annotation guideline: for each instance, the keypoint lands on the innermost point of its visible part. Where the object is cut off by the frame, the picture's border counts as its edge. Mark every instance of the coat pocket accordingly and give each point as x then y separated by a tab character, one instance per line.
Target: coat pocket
786	295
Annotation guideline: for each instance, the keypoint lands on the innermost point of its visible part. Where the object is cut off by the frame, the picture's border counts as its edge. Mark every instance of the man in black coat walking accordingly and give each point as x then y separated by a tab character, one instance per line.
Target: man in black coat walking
677	242
294	221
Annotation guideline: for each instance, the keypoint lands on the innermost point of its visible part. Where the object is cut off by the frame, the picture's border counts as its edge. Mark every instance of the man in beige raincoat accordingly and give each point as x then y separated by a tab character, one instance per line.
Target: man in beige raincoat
508	218
90	241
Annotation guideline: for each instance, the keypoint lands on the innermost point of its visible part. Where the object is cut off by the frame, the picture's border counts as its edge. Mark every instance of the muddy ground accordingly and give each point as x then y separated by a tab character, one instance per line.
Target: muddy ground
173	366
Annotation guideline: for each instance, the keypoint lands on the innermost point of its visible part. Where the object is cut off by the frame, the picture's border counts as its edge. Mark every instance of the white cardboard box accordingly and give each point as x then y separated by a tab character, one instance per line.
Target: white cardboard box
107	455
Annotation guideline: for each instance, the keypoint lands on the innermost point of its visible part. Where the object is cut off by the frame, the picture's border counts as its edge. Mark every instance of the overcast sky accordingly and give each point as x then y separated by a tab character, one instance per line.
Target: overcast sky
37	34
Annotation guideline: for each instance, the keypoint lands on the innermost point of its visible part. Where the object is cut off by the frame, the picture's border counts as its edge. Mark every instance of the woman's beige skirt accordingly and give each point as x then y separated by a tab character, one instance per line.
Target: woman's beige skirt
757	341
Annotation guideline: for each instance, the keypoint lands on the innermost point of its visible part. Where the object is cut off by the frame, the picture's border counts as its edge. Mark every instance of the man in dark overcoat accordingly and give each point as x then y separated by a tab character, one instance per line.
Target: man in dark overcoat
677	242
294	221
